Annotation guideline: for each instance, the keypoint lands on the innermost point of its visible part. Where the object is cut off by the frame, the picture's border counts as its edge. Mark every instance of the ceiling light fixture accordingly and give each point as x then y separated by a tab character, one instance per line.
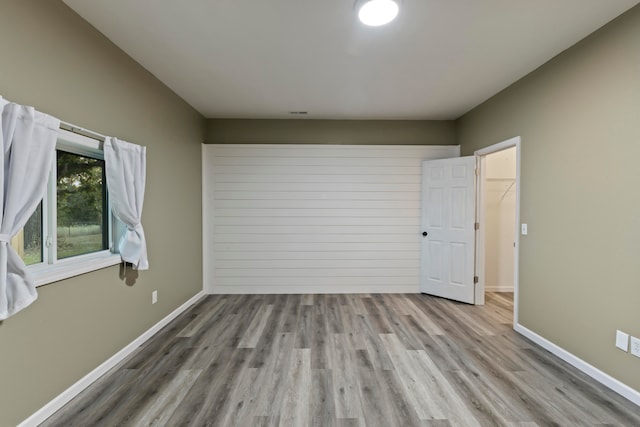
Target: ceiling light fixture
378	12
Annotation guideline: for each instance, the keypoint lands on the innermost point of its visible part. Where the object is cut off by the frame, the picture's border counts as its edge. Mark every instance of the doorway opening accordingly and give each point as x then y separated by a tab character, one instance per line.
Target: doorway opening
497	240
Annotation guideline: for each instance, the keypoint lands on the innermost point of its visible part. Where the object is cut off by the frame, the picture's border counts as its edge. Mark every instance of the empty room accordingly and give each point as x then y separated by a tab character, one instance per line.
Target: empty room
328	213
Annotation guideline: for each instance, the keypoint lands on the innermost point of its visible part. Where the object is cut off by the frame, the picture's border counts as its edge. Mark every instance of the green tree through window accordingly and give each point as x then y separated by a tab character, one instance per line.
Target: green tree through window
81	205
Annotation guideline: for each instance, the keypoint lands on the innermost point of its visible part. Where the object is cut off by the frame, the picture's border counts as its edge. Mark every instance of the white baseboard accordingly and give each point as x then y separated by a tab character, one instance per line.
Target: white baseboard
498	288
595	373
292	289
63	398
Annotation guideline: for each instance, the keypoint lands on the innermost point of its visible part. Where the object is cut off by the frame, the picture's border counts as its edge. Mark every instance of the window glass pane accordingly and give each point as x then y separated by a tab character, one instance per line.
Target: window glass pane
28	241
81	212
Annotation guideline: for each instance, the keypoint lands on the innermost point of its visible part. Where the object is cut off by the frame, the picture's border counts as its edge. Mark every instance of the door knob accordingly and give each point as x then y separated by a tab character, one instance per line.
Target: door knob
424	234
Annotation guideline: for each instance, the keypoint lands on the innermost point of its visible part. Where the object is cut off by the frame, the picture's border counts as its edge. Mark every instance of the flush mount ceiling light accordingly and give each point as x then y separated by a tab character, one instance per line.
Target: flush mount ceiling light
378	12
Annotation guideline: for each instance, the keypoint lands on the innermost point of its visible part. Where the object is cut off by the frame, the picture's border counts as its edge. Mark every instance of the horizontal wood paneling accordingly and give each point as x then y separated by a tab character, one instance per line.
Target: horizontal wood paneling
322	178
312	161
314	229
319	212
316	204
303	281
326	247
316	263
325	195
304	218
259	185
315	272
316	255
316	238
353	221
317	170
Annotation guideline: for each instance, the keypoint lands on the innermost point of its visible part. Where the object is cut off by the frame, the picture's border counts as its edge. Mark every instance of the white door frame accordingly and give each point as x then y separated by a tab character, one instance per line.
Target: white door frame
480	215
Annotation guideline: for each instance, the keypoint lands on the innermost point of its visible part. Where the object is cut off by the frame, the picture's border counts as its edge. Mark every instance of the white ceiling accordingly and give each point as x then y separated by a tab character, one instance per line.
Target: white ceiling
263	59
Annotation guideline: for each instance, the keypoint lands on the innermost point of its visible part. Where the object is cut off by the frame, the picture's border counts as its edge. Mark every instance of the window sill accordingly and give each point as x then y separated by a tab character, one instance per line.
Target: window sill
44	274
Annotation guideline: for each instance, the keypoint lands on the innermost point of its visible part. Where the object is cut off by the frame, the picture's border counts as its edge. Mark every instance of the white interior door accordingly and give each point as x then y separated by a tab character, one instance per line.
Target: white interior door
448	219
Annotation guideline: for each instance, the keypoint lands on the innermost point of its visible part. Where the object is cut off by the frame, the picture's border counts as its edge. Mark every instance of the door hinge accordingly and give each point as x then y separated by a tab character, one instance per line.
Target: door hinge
475	279
477	172
477	226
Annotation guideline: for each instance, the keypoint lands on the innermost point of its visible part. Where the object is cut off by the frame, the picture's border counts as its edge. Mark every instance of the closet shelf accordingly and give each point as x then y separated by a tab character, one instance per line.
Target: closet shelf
501	179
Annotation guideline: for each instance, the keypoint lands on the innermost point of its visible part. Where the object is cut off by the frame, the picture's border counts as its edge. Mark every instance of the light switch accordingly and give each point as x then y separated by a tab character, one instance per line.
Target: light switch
622	341
524	229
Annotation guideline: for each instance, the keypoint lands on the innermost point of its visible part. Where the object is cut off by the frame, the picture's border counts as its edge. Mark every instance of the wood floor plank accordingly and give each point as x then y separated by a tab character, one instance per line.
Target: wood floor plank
344	360
203	316
304	327
355	302
378	321
265	421
376	352
160	373
295	408
242	400
94	406
507	397
429	325
593	392
345	381
400	325
266	345
321	402
474	399
270	386
375	405
320	356
255	328
402	411
204	395
350	422
436	423
334	316
456	408
292	311
434	346
416	389
477	324
158	411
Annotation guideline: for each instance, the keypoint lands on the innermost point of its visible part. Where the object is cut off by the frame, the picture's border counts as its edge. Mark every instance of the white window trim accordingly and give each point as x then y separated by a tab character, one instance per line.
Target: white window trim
45	272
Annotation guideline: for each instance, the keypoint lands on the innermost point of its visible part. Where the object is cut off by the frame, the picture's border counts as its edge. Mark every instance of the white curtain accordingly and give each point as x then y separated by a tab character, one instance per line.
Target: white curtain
126	166
28	141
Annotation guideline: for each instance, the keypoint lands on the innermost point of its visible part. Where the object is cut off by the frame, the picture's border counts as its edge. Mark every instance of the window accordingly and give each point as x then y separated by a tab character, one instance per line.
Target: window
71	232
81	201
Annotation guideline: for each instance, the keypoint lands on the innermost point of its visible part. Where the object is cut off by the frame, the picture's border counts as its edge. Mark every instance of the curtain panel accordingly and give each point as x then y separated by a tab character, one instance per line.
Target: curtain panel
126	165
28	141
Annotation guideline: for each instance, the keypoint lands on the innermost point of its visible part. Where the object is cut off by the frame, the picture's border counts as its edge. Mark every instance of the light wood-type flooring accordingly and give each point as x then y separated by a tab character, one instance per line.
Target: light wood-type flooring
344	360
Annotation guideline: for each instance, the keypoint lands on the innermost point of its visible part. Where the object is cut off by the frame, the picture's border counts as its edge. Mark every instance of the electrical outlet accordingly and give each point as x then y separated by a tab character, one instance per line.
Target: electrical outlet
524	229
622	341
635	346
154	297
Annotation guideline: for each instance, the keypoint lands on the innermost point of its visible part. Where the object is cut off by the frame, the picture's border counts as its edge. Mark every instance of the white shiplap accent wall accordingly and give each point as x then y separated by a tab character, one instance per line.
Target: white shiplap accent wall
313	218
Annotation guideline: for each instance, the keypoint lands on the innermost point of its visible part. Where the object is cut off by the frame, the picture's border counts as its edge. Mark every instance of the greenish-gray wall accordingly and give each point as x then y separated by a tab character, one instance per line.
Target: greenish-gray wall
579	119
55	61
292	131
